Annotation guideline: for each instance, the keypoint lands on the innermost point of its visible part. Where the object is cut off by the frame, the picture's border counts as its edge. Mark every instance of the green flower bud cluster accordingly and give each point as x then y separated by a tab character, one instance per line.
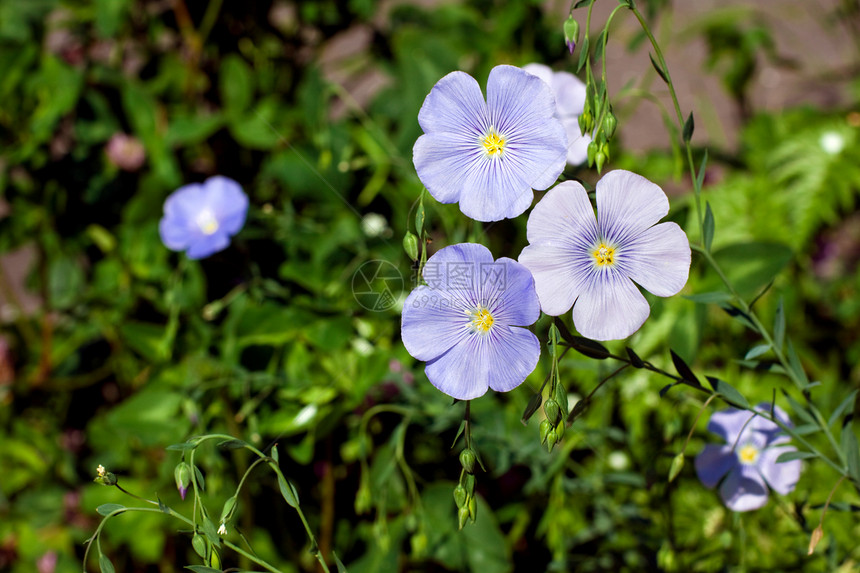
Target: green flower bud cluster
597	109
464	493
553	426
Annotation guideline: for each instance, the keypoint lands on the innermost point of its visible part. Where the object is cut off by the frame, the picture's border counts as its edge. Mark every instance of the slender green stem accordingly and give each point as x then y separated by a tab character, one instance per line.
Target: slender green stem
696	423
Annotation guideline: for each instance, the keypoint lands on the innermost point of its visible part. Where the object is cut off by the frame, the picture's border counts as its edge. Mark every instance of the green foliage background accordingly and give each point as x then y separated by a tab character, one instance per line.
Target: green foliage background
134	348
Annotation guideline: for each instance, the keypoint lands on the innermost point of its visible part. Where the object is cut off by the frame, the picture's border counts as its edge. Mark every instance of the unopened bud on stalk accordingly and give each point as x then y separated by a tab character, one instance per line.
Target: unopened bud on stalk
467	460
571	33
182	475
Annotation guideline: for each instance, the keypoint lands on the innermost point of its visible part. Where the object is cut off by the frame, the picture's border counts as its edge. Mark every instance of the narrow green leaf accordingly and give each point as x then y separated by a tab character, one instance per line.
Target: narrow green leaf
227	510
288	490
799	409
201	483
739	315
108	508
667	387
531	408
700	176
210	532
659	69
708	230
105	565
806	429
161	506
796	455
589	347
635	361
728	392
851	451
709	297
341	568
582	3
676	467
583	54
689	126
756	351
690	379
183	447
233	444
795	365
779	326
762	293
843	406
419	216
275	455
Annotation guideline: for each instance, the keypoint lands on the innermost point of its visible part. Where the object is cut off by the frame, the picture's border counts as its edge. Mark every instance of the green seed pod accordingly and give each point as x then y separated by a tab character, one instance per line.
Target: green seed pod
460	496
552	411
545	427
559	429
199	545
462	516
599	159
609	124
586	122
676	467
551	439
410	245
592	153
473	508
467	460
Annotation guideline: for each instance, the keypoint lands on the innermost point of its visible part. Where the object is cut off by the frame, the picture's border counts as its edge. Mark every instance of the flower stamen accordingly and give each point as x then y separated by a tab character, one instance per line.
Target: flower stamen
494	143
748	454
604	255
482	320
207	222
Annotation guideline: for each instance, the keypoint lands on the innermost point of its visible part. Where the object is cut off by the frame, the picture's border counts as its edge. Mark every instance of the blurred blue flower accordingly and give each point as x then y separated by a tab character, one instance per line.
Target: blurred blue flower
465	322
748	458
200	218
591	265
569	92
489	155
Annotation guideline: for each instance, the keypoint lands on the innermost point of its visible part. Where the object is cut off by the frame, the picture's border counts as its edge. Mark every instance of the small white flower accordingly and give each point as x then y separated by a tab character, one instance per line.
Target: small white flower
374	225
832	142
101	470
222	530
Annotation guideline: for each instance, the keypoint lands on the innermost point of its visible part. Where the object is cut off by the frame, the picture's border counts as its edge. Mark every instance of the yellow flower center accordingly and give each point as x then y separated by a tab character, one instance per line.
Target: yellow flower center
493	143
604	255
207	222
748	454
482	320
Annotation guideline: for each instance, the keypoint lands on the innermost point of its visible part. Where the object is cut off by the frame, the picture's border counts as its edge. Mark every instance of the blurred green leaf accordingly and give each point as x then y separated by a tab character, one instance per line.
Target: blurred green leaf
752	265
236	84
108	508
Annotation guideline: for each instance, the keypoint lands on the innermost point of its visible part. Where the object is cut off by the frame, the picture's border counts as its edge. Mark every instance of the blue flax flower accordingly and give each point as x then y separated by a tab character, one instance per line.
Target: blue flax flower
489	155
200	218
748	458
465	322
591	265
569	92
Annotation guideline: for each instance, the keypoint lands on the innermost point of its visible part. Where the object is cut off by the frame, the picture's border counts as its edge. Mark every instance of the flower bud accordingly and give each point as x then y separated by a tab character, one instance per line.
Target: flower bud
199	545
592	153
215	560
609	124
460	496
599	159
104	477
551	439
545	427
467	460
462	516
182	475
473	508
410	245
559	429
552	411
571	33
419	545
586	122
677	465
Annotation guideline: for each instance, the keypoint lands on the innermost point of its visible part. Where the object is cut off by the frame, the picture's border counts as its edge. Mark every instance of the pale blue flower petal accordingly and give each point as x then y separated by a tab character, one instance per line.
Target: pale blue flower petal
228	202
569	93
455	105
714	463
610	307
577	144
744	489
501	360
627	204
561	229
728	423
432	322
176	233
782	477
205	245
773	433
509	289
658	259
